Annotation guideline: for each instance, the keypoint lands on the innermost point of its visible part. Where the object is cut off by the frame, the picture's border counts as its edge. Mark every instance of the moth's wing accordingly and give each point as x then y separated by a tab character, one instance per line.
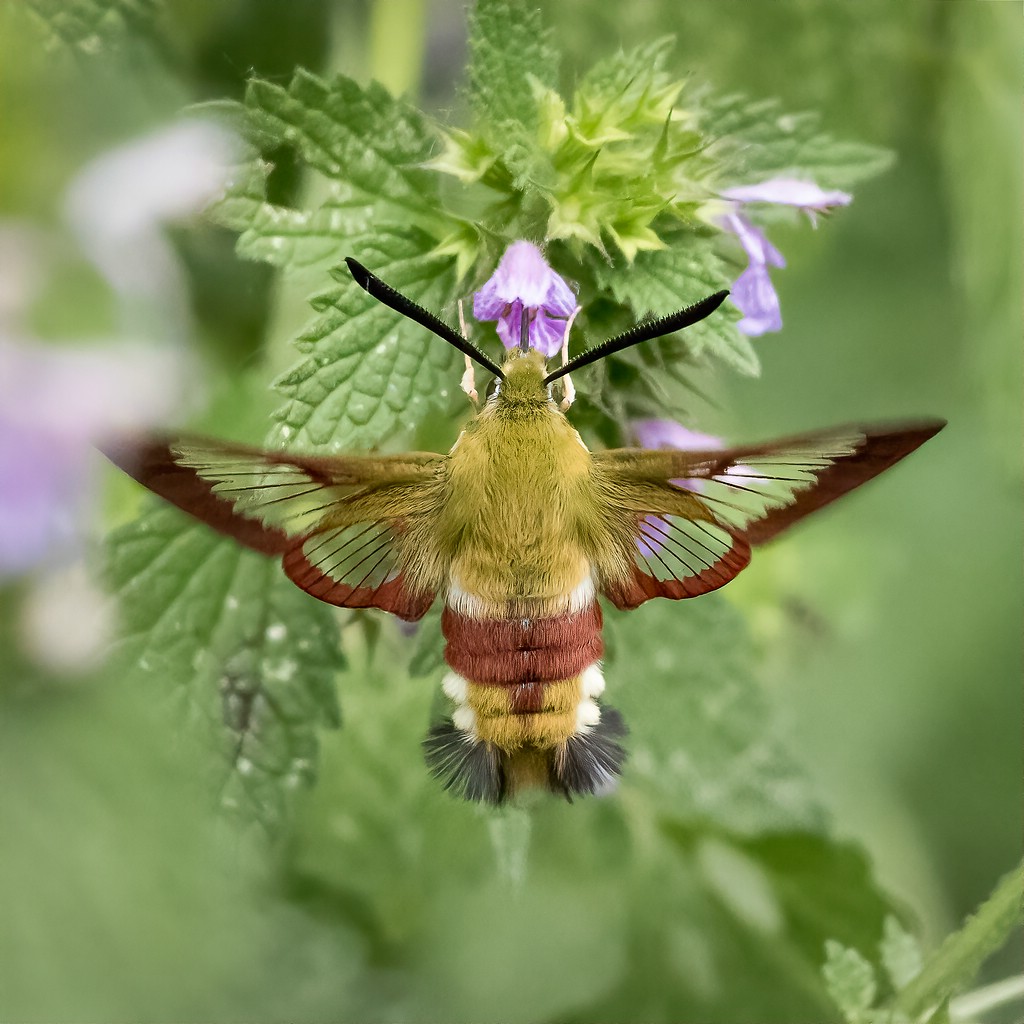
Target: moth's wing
337	521
691	508
669	544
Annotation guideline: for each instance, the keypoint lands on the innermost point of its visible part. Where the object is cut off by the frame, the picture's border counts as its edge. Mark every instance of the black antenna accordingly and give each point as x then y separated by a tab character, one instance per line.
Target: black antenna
643	332
397	301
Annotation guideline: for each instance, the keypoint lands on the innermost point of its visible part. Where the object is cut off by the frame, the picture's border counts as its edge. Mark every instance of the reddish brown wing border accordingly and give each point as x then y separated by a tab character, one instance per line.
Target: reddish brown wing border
879	447
149	461
393	596
883	445
642	586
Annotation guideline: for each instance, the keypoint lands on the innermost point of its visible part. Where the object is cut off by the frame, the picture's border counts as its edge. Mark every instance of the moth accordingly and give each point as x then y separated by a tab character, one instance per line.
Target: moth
518	530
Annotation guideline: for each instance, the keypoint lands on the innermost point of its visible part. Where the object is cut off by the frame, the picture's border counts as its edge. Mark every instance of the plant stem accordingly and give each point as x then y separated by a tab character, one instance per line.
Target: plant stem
957	960
972	1005
510	837
397	37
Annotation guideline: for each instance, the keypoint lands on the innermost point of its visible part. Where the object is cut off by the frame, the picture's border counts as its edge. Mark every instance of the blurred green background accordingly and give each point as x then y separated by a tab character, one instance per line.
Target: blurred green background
887	633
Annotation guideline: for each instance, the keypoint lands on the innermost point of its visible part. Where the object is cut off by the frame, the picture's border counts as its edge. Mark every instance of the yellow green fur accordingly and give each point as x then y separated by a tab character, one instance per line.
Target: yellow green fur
522	520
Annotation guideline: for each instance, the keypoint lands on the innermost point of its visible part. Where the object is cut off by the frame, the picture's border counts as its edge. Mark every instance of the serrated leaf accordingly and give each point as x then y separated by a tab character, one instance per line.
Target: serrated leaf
221	634
900	953
626	92
294	240
758	140
825	887
850	980
369	370
661	282
508	45
362	138
94	27
701	741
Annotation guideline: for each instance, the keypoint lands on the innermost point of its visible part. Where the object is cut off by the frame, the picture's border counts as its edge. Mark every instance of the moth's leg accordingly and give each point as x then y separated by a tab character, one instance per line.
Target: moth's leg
568	388
468	382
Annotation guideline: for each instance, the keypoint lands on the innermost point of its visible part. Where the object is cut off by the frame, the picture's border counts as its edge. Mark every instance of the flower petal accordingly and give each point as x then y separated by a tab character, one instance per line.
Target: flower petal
523	280
754	296
43	482
670	434
488	304
546	334
789	192
523	274
754	241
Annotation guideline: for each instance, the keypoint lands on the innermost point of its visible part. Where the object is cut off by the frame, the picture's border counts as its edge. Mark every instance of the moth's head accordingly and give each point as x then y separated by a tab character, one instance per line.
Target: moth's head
522	380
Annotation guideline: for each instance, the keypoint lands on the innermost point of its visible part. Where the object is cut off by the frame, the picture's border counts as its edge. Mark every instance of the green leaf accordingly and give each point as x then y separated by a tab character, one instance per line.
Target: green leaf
701	740
361	138
508	46
956	962
850	980
294	240
759	140
428	652
369	370
93	27
826	889
246	658
901	954
661	282
369	147
626	92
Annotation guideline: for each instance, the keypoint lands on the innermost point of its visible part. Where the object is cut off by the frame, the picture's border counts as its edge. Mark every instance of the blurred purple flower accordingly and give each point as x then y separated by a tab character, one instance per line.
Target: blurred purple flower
57	401
54	404
753	292
524	281
669	434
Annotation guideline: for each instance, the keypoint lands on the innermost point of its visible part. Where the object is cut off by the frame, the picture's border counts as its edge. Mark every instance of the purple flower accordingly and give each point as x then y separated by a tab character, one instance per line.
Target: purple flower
753	293
791	192
56	402
524	281
669	434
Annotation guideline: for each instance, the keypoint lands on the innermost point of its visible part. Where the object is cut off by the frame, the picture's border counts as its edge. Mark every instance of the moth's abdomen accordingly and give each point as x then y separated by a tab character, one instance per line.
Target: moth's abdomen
526	713
523	651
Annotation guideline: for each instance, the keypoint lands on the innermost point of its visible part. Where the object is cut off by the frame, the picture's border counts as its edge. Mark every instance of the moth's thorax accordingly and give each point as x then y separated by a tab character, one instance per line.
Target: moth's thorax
518	489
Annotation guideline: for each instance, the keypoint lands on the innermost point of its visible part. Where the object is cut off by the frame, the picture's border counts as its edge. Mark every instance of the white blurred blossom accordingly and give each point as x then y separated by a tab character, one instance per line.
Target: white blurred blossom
119	204
58	400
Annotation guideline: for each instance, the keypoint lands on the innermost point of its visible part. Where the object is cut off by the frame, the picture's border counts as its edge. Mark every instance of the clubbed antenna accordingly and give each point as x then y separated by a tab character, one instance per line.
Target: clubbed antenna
382	292
643	332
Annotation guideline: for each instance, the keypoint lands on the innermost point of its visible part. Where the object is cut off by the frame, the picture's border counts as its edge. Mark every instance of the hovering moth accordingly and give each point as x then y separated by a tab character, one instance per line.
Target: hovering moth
518	530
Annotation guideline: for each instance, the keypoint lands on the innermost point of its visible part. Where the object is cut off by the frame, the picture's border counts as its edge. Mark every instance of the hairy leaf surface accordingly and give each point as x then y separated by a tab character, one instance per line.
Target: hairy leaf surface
245	658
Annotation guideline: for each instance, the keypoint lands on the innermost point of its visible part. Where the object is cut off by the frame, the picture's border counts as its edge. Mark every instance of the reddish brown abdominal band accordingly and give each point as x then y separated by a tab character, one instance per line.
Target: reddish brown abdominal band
522	654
